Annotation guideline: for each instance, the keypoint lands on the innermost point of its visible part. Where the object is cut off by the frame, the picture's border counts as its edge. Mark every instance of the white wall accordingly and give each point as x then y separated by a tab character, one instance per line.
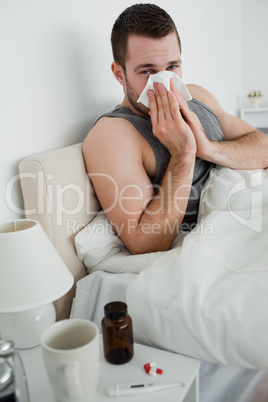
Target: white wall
55	74
255	50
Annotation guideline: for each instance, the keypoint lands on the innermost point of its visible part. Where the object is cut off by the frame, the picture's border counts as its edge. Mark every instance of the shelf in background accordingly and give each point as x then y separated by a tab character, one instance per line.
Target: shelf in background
258	118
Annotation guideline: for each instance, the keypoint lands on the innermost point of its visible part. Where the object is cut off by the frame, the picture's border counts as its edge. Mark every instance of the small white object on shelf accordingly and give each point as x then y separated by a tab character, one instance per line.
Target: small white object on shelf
254	98
254	102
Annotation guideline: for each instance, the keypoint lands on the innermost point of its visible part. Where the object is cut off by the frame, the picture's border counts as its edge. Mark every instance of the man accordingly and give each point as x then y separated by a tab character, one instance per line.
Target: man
148	166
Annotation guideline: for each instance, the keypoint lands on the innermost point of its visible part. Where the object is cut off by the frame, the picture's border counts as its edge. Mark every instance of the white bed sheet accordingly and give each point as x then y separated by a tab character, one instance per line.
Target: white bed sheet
96	290
211	289
218	383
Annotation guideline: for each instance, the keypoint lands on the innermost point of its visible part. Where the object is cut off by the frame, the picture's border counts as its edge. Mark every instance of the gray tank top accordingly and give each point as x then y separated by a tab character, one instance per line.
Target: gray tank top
210	123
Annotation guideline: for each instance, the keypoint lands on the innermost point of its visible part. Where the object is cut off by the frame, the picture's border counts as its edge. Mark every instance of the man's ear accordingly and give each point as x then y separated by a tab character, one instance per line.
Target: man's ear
118	72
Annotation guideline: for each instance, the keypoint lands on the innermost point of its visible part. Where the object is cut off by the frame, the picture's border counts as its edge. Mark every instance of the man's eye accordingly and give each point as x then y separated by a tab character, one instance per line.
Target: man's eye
172	67
145	72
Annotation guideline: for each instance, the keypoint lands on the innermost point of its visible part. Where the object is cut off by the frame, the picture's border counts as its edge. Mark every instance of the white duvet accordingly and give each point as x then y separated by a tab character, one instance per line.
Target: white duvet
208	296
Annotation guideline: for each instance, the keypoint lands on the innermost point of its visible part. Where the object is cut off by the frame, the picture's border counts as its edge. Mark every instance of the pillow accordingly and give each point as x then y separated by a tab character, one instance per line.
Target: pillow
99	247
98	241
235	191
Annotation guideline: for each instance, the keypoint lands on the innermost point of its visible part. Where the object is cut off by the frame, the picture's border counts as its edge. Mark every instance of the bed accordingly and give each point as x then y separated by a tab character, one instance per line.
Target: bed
57	192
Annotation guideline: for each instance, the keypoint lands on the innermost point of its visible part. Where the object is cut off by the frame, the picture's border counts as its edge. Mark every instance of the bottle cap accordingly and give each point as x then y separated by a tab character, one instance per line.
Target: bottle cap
115	310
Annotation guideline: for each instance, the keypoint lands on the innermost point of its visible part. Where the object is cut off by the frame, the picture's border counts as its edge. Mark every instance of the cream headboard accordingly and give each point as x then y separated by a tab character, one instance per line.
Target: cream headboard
58	193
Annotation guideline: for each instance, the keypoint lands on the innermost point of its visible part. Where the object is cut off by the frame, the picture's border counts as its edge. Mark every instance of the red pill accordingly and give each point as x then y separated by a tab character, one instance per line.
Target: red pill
149	365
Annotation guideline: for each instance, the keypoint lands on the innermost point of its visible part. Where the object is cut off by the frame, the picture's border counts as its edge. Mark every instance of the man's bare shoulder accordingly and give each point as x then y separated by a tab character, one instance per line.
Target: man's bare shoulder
116	139
206	97
113	139
111	130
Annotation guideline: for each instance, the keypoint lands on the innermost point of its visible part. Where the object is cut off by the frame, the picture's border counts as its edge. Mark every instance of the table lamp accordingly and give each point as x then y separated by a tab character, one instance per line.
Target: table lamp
32	276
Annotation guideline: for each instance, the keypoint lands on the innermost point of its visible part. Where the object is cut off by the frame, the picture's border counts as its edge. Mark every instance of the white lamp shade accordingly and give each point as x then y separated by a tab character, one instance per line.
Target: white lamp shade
31	271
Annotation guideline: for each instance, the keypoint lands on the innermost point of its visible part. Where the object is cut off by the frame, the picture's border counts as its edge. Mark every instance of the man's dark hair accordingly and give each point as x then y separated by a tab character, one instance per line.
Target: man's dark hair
142	20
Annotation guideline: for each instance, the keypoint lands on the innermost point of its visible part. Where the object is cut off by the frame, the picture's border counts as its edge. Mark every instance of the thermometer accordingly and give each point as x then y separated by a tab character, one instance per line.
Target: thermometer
139	388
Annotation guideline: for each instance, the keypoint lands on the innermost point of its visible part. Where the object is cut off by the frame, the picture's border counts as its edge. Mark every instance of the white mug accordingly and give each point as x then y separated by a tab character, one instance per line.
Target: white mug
71	353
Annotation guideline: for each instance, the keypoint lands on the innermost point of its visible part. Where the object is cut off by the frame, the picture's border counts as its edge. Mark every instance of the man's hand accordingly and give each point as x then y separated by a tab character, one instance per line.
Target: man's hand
169	126
202	142
243	147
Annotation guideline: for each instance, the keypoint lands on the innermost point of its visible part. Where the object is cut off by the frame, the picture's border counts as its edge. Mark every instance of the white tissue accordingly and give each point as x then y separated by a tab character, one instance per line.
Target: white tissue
164	78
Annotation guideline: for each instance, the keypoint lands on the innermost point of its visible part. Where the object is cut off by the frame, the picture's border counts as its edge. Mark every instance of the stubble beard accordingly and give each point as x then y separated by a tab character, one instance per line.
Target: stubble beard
132	97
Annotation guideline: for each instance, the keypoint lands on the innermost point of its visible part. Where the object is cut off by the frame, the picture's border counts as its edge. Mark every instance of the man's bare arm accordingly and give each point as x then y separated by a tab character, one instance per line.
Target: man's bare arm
144	223
243	147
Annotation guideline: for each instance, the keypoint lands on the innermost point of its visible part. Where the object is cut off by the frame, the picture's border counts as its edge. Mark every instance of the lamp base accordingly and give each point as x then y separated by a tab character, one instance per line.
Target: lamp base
24	328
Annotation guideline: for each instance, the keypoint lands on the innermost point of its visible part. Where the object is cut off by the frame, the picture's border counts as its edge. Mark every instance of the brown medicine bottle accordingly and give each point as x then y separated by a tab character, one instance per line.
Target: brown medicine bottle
117	333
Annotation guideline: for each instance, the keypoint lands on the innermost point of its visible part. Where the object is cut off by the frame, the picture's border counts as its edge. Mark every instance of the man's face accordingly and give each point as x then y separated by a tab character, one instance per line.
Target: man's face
148	56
